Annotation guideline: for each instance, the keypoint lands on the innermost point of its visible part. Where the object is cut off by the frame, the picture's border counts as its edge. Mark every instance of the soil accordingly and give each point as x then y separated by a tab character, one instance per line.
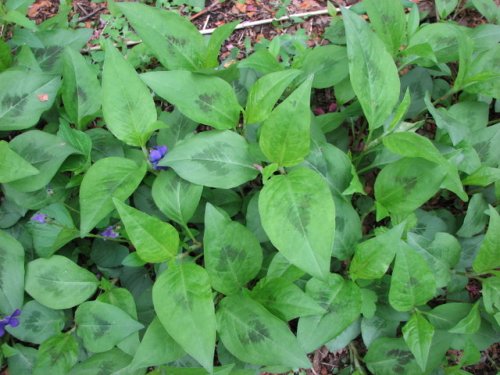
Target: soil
86	13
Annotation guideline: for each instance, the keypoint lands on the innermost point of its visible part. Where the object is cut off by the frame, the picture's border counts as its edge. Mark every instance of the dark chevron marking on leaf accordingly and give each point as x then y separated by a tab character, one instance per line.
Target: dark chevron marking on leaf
48	56
49	279
215	157
229	254
32	323
299	214
82	95
103	326
176	41
206	101
259	332
183	301
14	103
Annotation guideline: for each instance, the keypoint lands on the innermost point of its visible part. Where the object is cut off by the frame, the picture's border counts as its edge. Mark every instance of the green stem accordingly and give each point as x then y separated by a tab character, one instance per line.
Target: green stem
356	358
190	235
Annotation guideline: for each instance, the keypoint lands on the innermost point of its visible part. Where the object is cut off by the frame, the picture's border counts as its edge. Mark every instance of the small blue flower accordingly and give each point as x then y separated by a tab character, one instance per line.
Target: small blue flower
9	320
156	154
39	218
109	232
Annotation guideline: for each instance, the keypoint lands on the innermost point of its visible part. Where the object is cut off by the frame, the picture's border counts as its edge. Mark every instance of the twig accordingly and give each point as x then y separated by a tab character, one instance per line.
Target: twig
201	13
242	25
87	16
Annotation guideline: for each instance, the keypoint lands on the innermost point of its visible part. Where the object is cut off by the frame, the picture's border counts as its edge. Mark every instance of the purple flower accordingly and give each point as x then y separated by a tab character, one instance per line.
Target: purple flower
109	232
9	320
156	154
39	218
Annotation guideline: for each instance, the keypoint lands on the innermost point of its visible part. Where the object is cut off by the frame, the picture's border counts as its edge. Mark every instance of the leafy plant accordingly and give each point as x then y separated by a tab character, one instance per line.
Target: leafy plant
197	217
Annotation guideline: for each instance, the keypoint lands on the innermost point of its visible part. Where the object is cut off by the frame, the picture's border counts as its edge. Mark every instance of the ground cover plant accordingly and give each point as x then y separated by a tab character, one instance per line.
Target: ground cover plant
166	212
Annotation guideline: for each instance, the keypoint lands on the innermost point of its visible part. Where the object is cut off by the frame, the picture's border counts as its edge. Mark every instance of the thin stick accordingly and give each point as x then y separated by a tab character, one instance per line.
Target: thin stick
242	25
87	16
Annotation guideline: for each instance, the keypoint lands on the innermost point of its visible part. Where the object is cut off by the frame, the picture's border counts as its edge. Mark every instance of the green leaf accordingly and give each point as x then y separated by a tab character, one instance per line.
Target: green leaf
12	166
110	363
445	7
442	38
108	178
80	141
470	324
218	159
488	9
254	335
56	355
413	282
127	105
389	22
405	185
59	283
298	215
154	240
175	197
285	299
45	152
101	325
374	75
37	323
285	134
389	356
233	255
5	56
265	93
414	146
50	236
491	294
488	257
26	95
182	300
484	176
342	301
205	99
373	257
11	273
475	219
418	333
172	38
215	42
178	128
22	361
157	347
81	91
328	64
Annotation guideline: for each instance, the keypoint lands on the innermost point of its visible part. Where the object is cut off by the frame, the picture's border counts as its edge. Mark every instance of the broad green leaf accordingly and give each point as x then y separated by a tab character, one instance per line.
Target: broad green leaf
37	323
375	327
111	362
446	316
389	22
5	56
254	335
121	298
373	257
285	299
488	257
470	324
491	294
81	91
215	42
412	282
11	274
281	268
285	134
108	178
489	9
59	283
12	166
80	141
414	146
24	97
475	219
374	75
182	300
56	355
218	159
481	76
156	348
205	99
56	232
101	326
175	197
405	185
484	176
45	152
233	255
178	128
128	108
173	39
342	301
389	356
441	37
154	240
418	333
445	7
345	338
22	361
265	93
298	215
328	64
